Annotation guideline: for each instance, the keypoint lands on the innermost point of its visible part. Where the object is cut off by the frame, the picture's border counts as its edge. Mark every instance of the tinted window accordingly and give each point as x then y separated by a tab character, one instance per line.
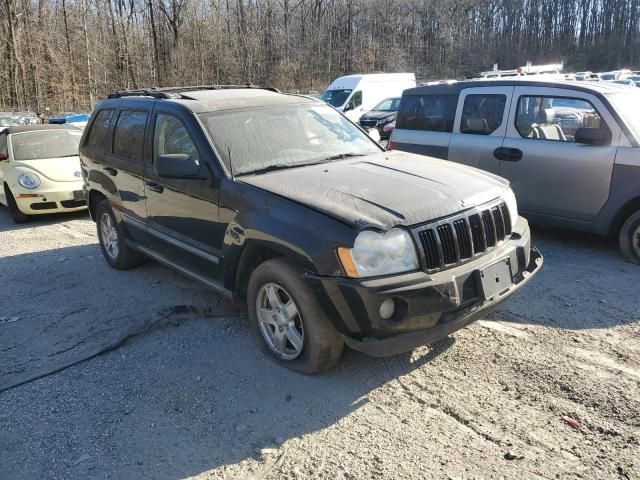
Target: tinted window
482	114
555	118
433	113
388	105
128	136
98	135
3	144
171	136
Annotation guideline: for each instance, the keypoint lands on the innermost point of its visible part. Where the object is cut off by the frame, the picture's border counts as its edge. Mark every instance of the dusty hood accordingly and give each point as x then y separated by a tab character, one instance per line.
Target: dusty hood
384	190
57	169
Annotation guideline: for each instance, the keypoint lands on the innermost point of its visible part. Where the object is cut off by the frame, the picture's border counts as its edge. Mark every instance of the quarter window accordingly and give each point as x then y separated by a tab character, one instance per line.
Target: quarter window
98	134
555	118
171	136
482	114
433	113
128	136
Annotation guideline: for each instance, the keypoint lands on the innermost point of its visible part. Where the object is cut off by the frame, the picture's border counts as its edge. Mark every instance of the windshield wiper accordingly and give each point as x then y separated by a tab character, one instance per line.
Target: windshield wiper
271	168
341	156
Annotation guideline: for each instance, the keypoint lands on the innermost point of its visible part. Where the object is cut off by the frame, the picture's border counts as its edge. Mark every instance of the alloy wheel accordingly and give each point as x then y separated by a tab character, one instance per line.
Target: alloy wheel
280	321
109	236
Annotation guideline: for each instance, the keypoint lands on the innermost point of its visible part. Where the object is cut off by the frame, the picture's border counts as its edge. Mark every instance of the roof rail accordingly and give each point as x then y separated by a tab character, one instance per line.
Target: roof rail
176	92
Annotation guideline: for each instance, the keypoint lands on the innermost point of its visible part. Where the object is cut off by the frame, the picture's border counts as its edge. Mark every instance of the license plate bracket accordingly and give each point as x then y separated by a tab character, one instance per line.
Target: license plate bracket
495	278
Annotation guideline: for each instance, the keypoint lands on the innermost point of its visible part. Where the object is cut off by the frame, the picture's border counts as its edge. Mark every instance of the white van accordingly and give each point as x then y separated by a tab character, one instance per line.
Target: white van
356	94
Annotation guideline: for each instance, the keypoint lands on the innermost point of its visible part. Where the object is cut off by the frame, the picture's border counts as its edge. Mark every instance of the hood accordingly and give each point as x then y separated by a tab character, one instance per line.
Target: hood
384	190
378	115
57	169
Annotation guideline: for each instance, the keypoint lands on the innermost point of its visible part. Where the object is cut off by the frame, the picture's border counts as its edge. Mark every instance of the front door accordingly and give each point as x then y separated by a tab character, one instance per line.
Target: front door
183	213
550	174
480	126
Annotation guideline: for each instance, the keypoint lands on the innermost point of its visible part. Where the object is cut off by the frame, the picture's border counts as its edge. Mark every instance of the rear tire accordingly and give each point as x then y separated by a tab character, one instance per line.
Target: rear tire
282	306
113	240
629	238
16	215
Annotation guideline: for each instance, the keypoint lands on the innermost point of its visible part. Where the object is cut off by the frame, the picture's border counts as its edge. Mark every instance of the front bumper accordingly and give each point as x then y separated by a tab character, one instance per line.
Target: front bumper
63	197
428	307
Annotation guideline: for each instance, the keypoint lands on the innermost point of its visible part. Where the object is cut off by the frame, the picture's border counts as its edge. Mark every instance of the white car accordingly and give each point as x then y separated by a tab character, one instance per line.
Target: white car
40	170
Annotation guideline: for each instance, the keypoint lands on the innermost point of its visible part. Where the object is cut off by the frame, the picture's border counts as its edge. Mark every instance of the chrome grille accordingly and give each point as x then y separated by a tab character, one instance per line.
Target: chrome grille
368	123
463	237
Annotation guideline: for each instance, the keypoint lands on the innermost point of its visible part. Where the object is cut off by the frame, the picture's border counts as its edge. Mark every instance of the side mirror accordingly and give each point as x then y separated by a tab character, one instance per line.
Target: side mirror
3	156
350	106
593	136
177	165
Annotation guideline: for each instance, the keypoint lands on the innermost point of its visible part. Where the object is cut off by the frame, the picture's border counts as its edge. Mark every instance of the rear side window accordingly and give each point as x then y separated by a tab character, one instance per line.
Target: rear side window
97	137
482	114
555	118
434	113
128	136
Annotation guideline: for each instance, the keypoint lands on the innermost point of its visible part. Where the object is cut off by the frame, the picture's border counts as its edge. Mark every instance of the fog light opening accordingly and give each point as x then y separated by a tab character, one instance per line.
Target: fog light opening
387	309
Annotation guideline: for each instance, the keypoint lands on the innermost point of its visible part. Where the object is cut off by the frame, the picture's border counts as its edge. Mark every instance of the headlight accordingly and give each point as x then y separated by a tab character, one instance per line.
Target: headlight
29	180
512	205
379	253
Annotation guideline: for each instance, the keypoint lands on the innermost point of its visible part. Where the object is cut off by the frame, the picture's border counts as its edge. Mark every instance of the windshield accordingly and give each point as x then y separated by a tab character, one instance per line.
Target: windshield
627	104
256	139
9	122
45	144
336	98
388	105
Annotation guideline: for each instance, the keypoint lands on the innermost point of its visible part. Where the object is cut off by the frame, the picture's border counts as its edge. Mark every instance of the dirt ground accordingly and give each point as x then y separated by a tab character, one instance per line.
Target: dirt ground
547	387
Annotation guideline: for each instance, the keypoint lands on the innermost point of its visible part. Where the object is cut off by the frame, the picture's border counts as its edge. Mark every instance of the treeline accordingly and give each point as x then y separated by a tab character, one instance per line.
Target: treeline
67	54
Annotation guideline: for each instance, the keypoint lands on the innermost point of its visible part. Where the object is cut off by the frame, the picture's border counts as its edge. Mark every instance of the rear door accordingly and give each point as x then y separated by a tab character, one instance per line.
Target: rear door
124	164
480	126
183	216
550	173
424	124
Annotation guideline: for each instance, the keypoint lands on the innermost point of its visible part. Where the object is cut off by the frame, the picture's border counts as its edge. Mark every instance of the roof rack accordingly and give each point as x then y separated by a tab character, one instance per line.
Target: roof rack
176	92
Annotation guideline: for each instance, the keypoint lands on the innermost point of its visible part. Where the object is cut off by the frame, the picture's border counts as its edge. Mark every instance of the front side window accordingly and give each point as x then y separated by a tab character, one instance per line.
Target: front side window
128	136
171	136
555	118
45	144
9	122
259	139
336	98
434	113
98	134
482	114
357	99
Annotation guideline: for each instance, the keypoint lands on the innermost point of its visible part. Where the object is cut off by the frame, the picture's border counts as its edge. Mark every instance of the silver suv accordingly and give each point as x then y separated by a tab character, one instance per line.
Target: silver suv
571	150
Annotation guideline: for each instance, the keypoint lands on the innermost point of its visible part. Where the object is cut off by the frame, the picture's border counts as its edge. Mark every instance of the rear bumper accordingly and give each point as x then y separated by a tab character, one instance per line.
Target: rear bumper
427	306
448	324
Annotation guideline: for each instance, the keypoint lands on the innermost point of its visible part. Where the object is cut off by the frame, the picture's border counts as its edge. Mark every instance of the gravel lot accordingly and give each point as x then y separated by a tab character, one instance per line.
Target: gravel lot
548	387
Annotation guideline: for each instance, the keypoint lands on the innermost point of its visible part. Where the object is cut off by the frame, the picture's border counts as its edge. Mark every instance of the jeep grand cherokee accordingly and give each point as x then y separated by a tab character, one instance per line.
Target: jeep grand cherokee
282	201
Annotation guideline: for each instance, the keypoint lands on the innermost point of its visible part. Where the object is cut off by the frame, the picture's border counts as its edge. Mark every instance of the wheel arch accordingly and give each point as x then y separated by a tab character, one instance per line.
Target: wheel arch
627	209
94	198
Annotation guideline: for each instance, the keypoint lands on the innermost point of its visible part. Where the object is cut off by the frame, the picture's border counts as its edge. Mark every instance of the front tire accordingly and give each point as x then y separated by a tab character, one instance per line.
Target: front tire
112	240
288	321
629	238
16	215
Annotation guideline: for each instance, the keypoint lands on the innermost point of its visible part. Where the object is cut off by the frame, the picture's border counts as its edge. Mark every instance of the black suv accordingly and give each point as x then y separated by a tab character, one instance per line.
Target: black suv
281	200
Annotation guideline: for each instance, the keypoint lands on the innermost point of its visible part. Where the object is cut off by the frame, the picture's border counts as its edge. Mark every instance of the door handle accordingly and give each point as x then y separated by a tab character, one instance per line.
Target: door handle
154	187
508	154
110	170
